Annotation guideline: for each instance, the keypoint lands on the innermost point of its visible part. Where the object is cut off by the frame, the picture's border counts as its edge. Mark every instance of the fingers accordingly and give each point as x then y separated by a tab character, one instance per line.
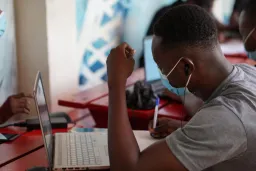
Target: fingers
24	105
21	110
20	105
21	95
162	125
129	51
162	128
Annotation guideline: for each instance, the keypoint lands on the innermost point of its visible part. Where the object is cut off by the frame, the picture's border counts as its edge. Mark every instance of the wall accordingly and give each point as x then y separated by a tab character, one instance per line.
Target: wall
31	43
46	41
62	59
8	66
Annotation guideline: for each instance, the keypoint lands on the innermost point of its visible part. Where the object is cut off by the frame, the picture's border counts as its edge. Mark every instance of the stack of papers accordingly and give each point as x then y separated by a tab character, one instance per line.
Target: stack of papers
233	47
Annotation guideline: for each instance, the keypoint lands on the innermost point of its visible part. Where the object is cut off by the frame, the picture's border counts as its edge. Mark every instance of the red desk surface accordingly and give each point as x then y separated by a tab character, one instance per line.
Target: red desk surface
82	99
18	148
36	158
139	119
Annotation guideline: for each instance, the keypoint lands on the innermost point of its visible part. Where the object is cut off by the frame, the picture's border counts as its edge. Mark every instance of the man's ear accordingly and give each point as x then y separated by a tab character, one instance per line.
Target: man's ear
189	66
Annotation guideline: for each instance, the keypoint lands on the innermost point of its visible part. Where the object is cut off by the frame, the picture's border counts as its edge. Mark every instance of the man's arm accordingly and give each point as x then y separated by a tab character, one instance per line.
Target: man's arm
124	151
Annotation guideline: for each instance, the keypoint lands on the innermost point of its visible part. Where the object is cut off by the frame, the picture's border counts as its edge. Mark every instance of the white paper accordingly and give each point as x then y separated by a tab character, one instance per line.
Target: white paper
233	47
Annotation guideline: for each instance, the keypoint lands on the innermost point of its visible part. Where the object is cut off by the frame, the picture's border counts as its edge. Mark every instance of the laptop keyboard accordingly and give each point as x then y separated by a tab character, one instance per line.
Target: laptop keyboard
77	150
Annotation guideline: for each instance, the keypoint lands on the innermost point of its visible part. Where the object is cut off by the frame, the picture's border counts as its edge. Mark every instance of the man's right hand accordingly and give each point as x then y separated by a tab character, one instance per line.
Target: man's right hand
165	126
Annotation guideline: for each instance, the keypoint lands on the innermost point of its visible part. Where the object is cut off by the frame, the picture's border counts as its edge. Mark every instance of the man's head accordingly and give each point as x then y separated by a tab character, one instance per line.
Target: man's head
186	31
247	25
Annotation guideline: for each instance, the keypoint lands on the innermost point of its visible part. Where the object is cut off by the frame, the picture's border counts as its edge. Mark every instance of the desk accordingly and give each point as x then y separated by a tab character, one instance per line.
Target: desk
38	158
31	141
232	47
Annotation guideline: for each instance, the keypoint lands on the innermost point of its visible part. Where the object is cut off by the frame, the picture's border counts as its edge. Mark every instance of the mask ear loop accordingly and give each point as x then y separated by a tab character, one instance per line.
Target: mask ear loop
185	89
249	35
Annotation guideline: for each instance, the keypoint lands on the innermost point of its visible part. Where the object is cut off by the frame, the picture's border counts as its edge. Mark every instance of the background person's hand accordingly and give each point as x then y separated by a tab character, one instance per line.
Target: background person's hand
16	104
164	127
20	104
120	63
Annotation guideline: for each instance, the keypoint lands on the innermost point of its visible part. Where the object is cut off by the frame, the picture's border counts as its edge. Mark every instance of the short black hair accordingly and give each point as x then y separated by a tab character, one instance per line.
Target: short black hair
250	10
187	25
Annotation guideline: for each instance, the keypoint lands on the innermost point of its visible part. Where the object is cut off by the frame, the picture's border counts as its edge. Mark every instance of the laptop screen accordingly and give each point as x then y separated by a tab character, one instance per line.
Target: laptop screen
44	118
151	69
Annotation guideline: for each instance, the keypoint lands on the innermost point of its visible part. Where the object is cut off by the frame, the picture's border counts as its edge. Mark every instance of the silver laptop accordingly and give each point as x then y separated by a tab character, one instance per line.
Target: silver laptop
69	151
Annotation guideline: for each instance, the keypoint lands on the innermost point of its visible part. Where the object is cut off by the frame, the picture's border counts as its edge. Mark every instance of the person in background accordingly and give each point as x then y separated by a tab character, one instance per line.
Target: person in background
206	4
16	104
221	134
237	9
247	26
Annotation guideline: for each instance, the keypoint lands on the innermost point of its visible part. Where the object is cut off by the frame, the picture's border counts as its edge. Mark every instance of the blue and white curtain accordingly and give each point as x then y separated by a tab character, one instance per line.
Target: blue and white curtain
100	28
102	25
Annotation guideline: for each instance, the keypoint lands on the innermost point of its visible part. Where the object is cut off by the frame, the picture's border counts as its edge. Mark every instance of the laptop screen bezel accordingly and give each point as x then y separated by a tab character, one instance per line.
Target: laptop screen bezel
144	50
49	154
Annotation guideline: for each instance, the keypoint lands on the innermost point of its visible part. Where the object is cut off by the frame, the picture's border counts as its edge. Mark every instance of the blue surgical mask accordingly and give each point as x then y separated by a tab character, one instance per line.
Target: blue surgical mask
252	55
178	91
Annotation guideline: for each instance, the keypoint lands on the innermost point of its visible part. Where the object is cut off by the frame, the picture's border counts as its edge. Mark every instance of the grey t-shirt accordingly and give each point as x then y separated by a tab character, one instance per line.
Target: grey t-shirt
222	134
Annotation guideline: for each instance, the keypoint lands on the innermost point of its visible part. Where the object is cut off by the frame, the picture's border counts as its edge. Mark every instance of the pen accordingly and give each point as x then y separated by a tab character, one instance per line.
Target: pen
156	112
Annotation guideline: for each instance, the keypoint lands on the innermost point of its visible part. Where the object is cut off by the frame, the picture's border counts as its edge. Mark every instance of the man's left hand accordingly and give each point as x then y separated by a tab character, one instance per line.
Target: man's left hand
120	64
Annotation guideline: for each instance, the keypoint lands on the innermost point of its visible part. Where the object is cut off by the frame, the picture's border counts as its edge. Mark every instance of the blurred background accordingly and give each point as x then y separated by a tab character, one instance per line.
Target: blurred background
69	40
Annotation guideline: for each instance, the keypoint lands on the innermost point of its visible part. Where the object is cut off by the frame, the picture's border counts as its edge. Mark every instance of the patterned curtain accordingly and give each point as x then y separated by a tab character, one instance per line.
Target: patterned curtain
99	28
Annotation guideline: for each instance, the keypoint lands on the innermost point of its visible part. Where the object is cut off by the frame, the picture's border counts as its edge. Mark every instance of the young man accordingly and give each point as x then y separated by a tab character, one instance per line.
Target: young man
16	104
221	135
247	26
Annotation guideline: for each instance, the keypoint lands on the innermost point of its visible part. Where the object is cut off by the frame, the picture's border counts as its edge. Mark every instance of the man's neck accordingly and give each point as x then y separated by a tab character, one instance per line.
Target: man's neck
213	79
